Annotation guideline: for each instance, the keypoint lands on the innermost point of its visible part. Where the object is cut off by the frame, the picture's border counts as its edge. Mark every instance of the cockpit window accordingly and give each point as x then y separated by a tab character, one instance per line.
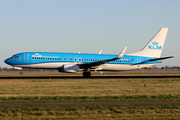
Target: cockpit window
14	56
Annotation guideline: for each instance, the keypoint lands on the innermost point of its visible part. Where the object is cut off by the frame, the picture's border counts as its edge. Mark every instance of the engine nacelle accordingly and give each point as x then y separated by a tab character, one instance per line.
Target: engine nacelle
69	68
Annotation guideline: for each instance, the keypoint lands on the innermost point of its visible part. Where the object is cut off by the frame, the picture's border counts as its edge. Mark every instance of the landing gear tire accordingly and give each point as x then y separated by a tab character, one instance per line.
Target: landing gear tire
21	72
87	74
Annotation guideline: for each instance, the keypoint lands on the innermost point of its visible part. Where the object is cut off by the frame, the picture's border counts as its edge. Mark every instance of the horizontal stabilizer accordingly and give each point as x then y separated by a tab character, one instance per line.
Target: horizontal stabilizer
156	59
160	58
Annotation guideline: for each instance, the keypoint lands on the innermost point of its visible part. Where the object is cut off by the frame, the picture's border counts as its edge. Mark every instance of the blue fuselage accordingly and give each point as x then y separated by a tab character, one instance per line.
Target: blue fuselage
45	60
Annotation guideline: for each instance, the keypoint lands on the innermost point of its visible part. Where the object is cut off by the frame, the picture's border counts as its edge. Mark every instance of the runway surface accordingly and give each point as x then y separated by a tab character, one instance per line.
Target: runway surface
81	77
91	103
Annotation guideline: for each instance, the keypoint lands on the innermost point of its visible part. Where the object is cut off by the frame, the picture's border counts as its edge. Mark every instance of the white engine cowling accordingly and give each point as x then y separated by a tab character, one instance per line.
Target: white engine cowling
69	68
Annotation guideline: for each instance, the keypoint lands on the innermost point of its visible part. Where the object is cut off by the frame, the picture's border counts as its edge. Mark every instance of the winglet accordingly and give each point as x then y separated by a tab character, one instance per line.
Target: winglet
121	54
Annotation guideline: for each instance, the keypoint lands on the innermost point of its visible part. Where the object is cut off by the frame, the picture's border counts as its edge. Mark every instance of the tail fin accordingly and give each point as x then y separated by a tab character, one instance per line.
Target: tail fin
155	45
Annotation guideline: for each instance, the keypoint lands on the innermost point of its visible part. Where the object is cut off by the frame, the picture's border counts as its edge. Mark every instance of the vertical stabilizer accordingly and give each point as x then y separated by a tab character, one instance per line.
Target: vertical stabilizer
155	46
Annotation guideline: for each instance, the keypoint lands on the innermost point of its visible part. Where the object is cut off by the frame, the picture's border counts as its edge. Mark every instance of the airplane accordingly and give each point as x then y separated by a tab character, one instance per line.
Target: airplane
77	62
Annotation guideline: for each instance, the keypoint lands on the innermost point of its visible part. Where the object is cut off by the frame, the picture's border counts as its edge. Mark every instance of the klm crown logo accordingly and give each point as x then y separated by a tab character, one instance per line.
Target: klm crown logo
36	55
155	46
155	43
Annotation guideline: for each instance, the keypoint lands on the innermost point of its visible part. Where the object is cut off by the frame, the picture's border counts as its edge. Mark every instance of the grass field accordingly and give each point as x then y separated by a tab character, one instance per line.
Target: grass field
89	87
90	90
123	112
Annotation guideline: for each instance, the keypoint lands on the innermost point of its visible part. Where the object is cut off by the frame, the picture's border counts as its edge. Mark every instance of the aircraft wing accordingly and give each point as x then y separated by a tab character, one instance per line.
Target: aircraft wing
97	63
151	60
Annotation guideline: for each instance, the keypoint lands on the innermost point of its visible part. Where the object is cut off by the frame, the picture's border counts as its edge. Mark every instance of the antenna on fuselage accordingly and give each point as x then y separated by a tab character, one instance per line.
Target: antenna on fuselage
100	52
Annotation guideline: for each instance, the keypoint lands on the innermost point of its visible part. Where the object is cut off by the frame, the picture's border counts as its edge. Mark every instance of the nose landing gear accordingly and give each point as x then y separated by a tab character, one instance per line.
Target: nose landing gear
86	74
21	72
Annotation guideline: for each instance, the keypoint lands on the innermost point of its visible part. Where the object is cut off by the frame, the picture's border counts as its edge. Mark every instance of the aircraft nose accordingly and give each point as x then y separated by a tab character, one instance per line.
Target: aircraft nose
7	61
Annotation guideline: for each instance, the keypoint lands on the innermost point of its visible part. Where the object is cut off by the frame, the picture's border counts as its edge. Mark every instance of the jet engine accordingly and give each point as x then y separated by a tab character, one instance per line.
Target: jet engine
69	68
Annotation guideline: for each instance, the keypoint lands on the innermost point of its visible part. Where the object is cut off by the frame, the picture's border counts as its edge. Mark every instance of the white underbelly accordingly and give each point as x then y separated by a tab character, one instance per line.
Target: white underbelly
53	65
120	67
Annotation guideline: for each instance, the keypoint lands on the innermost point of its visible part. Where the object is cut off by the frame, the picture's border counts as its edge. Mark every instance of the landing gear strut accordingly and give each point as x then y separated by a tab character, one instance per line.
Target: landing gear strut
21	72
86	74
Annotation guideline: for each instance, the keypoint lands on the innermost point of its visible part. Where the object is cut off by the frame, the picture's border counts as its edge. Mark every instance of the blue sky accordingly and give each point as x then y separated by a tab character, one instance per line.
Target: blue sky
87	26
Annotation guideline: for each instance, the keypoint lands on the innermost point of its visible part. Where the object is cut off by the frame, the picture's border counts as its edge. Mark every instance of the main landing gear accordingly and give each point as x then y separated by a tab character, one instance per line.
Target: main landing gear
86	74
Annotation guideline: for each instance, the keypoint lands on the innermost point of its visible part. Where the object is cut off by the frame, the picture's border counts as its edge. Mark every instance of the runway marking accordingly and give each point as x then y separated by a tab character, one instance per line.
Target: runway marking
92	103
